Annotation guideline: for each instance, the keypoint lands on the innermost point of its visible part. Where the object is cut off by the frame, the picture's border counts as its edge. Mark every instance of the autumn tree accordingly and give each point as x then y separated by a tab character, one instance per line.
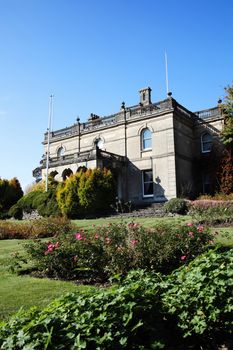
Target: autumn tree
227	110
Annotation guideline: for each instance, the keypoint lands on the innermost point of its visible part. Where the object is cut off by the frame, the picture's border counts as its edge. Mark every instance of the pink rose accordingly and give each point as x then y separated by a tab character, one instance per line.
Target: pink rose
78	236
183	258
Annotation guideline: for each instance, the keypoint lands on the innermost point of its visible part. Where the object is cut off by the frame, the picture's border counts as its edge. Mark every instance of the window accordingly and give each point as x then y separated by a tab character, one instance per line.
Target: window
100	143
206	143
146	139
60	152
206	183
147	183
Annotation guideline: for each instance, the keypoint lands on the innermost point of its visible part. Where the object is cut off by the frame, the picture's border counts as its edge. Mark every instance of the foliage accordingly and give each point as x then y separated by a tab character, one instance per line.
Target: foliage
10	193
16	212
44	202
89	191
39	228
200	294
212	211
186	309
124	317
117	249
227	108
217	197
67	196
226	172
176	206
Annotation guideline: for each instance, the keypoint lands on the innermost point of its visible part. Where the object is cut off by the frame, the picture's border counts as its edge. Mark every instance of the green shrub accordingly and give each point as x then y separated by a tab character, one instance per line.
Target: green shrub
117	249
16	212
124	317
176	206
88	192
200	295
212	211
44	202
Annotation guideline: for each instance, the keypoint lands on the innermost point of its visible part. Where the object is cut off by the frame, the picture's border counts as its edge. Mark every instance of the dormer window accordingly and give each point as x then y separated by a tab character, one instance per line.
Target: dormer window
206	142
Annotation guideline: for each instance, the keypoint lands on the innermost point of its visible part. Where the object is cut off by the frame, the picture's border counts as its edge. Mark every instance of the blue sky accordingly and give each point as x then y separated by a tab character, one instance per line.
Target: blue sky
94	54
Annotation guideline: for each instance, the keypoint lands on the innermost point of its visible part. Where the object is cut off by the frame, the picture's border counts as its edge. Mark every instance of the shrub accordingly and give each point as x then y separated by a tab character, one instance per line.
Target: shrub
16	212
35	229
176	206
124	317
89	191
117	249
211	211
44	202
200	295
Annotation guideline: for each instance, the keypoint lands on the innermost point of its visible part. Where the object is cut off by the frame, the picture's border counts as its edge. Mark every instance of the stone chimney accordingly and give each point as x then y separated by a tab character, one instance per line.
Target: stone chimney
145	96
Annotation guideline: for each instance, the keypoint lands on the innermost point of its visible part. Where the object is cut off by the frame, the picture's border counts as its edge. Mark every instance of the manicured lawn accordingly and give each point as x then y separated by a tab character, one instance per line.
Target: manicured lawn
24	291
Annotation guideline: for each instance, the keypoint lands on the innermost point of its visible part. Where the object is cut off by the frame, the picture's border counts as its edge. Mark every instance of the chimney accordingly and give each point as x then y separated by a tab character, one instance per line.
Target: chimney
145	96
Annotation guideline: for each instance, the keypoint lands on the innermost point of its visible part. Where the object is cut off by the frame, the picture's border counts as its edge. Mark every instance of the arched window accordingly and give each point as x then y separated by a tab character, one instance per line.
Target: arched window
60	152
100	143
206	142
146	139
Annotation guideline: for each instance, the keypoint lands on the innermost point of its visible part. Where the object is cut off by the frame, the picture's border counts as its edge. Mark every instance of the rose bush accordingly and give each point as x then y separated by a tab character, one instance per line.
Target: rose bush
118	248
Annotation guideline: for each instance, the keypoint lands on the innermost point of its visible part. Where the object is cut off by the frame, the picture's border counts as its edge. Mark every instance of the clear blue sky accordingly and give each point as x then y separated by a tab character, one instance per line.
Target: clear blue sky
94	54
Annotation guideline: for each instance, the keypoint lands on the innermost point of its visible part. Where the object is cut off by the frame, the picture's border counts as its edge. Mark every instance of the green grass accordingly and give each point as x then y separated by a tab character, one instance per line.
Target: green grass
147	222
24	291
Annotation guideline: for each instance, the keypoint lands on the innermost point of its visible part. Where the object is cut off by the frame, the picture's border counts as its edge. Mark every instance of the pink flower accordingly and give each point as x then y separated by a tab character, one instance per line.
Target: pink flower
78	236
190	234
51	247
134	242
96	236
107	240
200	228
189	224
183	257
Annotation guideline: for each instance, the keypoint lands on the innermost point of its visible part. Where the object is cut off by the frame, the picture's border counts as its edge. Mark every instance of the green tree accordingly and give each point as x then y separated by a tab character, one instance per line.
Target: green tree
227	109
10	193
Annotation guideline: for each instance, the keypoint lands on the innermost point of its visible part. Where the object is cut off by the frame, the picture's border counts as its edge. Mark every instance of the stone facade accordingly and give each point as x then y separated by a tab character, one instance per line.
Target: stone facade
153	148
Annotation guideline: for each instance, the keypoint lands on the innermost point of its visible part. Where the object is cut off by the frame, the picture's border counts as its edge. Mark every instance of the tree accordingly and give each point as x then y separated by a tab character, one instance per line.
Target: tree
10	193
227	109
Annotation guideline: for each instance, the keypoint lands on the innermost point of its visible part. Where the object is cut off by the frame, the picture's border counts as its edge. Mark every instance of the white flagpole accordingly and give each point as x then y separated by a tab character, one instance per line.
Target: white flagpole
166	73
48	141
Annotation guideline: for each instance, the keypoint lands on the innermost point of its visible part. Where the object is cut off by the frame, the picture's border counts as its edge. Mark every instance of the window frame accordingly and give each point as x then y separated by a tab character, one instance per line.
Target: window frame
143	139
147	182
61	152
203	143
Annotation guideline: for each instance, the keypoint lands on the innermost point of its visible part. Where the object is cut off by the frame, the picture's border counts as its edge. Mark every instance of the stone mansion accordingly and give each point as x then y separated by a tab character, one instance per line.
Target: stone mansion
156	150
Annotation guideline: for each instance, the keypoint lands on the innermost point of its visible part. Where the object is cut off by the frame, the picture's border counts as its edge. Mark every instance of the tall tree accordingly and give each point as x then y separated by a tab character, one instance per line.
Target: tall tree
227	109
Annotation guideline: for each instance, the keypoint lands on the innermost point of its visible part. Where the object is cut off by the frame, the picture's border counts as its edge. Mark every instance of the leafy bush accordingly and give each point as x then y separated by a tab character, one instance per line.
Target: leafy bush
117	249
44	202
15	212
176	206
35	229
10	193
89	191
211	211
185	310
201	294
124	317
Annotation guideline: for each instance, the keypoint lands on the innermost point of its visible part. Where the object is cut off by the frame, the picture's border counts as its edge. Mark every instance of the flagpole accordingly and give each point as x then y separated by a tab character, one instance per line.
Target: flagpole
166	73
48	141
